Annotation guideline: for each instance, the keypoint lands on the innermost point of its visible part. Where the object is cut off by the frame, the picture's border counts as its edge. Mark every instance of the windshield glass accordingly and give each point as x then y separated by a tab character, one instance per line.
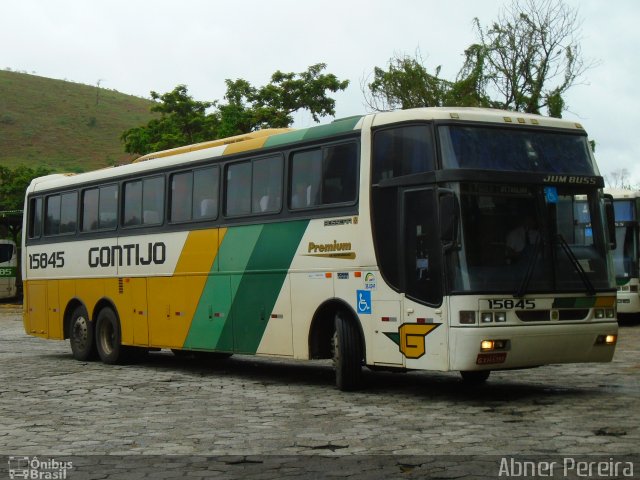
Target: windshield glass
515	149
6	252
527	239
625	256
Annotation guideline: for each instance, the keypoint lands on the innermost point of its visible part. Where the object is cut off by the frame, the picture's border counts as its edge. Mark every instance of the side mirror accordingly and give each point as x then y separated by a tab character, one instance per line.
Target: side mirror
449	215
611	220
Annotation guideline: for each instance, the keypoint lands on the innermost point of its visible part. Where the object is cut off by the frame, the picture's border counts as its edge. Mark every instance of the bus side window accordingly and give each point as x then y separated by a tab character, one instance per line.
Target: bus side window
68	212
52	215
339	173
205	193
267	185
238	200
306	173
402	151
181	196
132	203
108	207
35	217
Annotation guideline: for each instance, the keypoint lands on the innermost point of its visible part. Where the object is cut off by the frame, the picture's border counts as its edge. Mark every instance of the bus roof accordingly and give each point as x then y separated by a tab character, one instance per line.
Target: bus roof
268	138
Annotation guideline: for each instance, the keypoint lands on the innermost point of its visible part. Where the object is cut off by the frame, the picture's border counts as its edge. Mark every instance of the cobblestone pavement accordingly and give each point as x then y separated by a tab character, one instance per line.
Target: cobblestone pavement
53	405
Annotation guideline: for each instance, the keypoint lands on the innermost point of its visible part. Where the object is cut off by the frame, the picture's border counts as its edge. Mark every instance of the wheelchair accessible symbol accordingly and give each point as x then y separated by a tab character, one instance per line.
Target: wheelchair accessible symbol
364	301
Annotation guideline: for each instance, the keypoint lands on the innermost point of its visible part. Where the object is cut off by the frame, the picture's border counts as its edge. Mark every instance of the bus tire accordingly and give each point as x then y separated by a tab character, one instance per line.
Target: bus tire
108	337
347	354
475	377
81	335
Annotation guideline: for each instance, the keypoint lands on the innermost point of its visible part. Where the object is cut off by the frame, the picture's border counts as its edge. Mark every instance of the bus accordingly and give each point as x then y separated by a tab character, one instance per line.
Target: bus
426	239
8	268
626	205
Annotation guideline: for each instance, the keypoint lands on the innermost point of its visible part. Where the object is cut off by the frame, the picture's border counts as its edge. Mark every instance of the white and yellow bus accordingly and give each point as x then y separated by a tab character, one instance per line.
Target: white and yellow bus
626	255
8	268
428	239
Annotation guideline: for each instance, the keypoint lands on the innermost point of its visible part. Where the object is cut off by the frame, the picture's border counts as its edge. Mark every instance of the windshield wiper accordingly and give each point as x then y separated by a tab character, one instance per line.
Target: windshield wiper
577	265
533	259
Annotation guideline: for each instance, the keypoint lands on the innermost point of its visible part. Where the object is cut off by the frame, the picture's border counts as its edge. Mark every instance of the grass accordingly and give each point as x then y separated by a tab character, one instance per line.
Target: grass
63	125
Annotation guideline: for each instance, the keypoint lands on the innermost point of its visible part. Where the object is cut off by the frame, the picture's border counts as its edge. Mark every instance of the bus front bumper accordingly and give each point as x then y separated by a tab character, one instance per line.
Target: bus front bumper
497	348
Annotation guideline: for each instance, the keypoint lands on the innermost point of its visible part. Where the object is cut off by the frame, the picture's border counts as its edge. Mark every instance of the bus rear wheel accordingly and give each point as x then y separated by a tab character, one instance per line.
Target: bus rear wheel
347	354
81	335
108	337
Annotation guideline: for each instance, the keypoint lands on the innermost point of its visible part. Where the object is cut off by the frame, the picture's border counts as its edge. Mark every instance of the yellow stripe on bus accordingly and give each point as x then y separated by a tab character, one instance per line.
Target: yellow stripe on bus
181	293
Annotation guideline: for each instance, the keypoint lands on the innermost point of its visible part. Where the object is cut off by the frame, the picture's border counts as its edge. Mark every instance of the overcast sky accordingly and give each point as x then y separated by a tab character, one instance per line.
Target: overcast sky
136	46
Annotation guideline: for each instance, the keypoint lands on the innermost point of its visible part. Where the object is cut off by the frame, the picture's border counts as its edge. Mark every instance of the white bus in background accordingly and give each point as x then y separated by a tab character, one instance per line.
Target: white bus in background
8	268
626	204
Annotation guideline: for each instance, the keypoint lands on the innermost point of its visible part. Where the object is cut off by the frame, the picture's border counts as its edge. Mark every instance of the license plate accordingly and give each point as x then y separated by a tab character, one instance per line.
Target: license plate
491	358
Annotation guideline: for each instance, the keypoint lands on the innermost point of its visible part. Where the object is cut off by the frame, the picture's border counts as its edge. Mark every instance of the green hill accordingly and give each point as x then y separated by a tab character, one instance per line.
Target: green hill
63	125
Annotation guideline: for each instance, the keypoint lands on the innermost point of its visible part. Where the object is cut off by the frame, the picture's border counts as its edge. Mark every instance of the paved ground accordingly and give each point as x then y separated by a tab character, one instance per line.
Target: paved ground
52	406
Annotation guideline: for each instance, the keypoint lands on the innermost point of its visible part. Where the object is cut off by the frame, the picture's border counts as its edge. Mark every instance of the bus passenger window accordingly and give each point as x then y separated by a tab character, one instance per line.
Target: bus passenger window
306	173
205	193
267	185
89	219
181	196
152	200
68	212
108	207
132	204
52	215
238	186
339	173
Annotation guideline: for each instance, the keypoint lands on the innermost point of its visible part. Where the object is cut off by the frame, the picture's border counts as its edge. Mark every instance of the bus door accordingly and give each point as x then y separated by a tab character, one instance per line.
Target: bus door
423	339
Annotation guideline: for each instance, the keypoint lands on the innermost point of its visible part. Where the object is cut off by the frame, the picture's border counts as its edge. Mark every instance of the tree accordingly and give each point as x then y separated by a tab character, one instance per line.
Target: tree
406	83
13	185
619	178
182	121
531	55
245	109
525	61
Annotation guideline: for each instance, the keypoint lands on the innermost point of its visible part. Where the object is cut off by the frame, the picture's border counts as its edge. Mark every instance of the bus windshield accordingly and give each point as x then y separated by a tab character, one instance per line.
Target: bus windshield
523	239
514	149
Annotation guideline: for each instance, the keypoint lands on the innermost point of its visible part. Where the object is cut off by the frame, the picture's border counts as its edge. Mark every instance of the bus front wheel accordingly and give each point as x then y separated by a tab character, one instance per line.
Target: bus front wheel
476	377
81	335
108	337
347	354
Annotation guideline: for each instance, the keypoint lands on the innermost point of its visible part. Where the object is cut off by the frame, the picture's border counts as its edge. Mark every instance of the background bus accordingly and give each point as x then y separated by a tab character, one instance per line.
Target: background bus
8	268
428	239
626	257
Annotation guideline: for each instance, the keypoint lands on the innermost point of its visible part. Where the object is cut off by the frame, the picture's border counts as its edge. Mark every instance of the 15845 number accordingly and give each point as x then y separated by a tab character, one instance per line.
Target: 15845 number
510	304
42	260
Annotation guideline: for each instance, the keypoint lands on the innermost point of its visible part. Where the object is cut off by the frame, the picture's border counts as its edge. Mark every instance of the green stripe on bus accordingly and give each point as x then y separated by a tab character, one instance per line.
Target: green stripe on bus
334	128
7	272
237	302
214	308
574	302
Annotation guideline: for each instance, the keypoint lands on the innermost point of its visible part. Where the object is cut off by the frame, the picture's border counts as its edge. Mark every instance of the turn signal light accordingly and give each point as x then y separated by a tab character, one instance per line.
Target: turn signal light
606	339
491	345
